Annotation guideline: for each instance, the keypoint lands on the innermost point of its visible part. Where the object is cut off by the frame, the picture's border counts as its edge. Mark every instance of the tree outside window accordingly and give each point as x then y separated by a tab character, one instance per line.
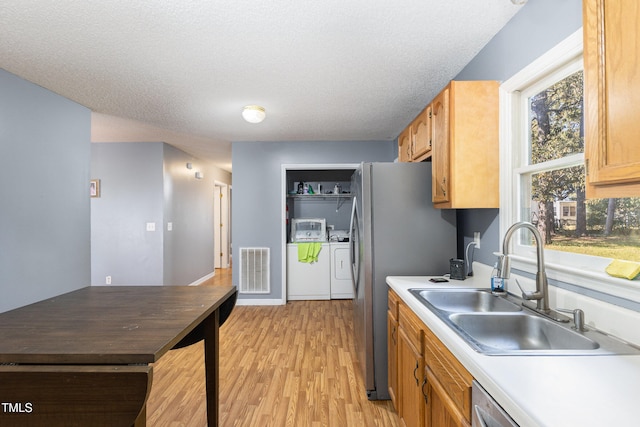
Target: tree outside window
556	188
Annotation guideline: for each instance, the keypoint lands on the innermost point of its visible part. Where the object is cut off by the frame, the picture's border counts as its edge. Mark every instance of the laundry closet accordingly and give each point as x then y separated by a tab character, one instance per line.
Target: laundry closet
318	208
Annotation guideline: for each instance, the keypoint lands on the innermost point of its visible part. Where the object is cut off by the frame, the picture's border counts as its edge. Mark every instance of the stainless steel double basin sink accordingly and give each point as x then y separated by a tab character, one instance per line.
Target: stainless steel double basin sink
498	325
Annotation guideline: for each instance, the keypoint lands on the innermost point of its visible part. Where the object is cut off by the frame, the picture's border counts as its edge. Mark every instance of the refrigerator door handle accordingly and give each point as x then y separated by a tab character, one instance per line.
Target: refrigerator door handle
354	239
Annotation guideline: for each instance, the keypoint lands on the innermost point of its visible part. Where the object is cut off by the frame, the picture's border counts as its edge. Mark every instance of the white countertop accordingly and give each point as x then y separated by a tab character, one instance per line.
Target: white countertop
540	391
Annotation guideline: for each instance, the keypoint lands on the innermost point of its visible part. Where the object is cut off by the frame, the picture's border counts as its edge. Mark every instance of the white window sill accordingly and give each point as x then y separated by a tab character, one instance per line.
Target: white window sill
587	273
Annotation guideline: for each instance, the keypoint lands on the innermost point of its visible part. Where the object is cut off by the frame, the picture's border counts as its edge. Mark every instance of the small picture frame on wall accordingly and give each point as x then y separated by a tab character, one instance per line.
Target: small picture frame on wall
94	188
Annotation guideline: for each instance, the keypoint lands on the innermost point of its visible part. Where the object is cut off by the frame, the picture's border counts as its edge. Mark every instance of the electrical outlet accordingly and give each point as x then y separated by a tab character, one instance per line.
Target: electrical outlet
476	239
151	226
108	280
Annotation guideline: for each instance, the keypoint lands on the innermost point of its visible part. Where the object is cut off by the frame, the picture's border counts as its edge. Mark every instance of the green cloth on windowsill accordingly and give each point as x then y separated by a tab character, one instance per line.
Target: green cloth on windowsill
308	252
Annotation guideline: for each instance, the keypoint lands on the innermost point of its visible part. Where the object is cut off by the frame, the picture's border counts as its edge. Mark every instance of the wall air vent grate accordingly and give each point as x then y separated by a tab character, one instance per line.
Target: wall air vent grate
254	271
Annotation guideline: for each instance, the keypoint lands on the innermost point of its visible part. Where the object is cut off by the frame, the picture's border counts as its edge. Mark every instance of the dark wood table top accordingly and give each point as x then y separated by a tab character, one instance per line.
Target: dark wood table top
101	325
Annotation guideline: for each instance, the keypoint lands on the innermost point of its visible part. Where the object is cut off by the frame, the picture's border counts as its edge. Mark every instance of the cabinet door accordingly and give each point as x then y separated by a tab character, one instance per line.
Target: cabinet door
404	145
421	135
410	381
392	357
441	147
440	411
452	379
612	90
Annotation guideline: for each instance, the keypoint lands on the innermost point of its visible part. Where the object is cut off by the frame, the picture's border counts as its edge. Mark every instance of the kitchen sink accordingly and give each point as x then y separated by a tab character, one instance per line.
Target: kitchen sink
498	325
509	332
465	300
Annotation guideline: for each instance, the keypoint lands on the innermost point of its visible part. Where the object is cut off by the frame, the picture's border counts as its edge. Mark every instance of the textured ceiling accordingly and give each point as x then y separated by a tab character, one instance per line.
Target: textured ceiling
181	71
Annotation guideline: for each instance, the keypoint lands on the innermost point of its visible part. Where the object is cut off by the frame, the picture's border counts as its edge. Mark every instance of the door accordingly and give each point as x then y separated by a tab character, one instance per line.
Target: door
221	225
217	195
362	307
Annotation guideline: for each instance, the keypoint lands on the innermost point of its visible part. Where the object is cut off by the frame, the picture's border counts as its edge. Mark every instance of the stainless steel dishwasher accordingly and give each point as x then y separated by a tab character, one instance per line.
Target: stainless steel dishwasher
486	412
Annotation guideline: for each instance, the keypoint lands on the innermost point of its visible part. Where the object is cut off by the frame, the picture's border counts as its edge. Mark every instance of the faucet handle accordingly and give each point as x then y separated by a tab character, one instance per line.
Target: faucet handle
528	295
578	318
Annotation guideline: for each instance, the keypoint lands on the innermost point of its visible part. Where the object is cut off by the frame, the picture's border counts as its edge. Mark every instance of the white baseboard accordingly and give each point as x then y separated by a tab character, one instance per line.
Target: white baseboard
203	279
246	301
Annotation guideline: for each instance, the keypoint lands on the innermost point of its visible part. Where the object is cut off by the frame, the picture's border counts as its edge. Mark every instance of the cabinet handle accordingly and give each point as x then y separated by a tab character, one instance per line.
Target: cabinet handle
394	331
414	374
442	186
424	393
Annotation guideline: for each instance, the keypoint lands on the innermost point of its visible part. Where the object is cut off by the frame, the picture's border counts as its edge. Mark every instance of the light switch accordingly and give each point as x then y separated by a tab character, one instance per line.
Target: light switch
169	226
151	226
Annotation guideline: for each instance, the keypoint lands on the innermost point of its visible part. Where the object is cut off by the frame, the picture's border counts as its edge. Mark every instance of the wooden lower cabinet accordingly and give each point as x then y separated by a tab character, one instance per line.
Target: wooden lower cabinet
449	377
440	411
410	368
412	399
392	357
433	387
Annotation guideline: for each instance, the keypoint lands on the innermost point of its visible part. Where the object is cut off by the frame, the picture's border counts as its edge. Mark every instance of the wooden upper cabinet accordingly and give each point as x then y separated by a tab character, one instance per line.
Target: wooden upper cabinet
612	91
414	143
421	135
440	154
404	145
465	152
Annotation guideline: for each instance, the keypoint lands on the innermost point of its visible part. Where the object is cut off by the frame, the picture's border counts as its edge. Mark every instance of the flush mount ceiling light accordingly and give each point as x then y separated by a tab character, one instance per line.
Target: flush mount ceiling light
253	113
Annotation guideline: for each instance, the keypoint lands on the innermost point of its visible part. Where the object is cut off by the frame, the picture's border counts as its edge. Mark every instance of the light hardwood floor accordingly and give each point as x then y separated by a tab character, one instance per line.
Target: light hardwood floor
291	365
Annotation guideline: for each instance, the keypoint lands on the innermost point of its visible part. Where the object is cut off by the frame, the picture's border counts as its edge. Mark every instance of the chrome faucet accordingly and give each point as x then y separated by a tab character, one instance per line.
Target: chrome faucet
541	294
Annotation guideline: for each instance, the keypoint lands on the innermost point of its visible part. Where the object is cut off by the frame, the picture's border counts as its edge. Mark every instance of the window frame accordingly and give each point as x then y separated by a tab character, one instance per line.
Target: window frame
583	271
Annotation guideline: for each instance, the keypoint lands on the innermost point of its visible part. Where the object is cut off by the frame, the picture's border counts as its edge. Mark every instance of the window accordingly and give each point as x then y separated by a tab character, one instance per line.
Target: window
543	176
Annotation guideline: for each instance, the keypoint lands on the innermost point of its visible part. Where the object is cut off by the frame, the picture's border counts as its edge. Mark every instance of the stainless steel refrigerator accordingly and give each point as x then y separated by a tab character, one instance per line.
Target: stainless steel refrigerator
395	231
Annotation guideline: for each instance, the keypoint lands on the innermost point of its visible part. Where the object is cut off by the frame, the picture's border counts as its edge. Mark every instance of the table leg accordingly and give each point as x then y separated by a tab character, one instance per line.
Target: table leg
211	361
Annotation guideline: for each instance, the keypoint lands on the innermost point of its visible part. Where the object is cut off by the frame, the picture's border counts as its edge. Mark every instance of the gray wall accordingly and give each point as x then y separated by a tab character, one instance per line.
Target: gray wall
539	26
149	182
257	191
337	213
131	195
44	193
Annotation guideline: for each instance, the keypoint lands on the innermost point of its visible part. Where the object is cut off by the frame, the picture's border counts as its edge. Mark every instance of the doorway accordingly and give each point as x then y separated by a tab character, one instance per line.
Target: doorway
323	204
